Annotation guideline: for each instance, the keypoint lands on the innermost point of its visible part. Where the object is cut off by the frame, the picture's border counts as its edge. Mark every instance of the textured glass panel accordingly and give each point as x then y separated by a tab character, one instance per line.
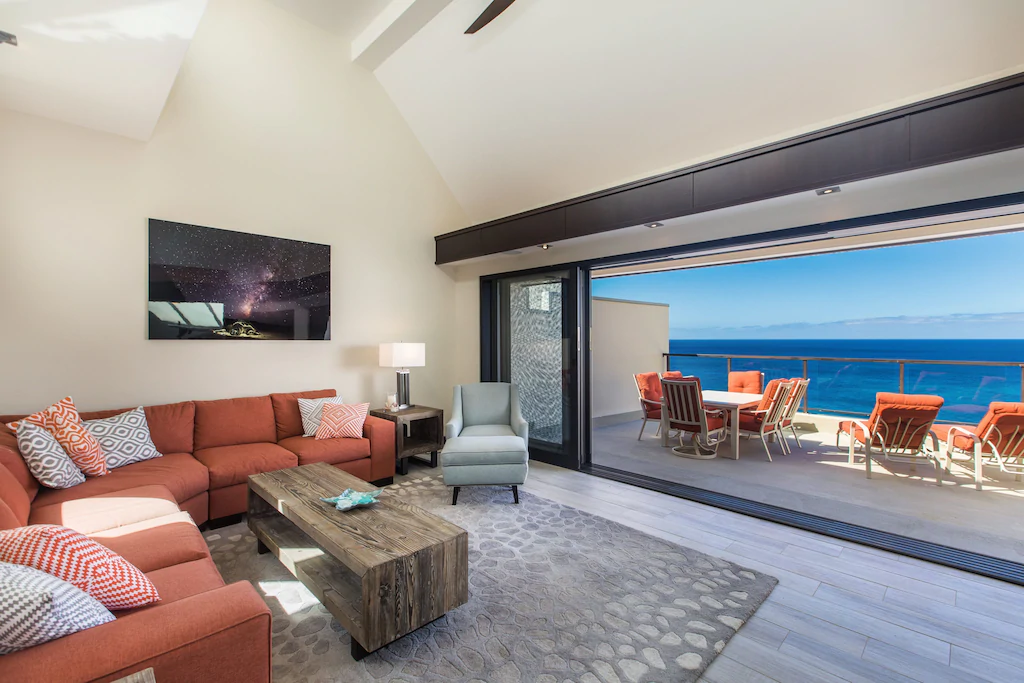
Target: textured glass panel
537	355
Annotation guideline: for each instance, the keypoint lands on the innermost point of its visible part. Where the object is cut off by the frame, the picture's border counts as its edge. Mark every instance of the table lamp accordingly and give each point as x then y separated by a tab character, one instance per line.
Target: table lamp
403	355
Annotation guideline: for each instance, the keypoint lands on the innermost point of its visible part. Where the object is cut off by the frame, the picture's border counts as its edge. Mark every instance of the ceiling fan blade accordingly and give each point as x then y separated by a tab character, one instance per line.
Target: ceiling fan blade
487	16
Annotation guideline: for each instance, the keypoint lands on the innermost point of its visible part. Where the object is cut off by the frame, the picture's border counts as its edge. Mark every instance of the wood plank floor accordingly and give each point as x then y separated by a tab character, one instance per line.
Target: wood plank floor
841	612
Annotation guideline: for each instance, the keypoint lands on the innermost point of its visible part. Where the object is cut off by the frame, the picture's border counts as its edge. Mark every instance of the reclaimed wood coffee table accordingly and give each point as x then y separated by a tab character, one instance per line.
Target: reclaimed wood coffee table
383	571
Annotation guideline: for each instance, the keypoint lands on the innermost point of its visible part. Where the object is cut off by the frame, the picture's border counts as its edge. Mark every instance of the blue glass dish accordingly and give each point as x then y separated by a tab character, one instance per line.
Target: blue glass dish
350	498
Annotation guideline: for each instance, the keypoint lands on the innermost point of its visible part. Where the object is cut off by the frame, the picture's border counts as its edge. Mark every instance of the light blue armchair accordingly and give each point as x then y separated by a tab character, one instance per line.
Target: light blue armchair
487	438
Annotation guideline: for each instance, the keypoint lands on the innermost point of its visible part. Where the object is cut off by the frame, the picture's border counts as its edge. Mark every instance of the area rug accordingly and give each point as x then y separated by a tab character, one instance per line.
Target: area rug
556	595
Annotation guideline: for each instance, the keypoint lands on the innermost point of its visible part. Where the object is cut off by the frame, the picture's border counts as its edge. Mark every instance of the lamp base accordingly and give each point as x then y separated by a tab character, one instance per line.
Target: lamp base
403	388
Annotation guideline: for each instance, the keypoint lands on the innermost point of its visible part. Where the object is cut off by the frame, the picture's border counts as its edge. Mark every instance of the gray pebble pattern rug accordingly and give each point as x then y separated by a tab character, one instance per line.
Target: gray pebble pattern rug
557	595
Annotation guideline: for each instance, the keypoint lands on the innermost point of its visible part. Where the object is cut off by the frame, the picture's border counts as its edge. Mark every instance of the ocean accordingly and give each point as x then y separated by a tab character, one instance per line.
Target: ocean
849	386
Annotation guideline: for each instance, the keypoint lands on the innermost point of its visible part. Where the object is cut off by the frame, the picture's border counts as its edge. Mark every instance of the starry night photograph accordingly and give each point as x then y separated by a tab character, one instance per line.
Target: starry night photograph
207	283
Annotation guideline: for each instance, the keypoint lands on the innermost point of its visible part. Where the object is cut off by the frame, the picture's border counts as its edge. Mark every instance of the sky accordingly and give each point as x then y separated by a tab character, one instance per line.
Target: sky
963	288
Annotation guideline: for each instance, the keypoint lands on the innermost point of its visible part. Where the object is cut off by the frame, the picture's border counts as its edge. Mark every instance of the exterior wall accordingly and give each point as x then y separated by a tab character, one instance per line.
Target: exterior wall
627	337
269	129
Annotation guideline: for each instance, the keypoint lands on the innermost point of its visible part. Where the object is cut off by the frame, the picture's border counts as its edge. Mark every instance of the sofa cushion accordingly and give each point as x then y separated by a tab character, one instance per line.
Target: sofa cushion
108	510
38	608
79	560
182	474
286	411
333	451
233	464
62	420
170	425
184	580
234	421
15	499
342	421
487	430
124	438
48	462
156	543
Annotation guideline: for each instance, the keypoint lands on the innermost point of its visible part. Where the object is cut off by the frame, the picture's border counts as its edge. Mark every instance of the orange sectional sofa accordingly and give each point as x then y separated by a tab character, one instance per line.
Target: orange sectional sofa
148	512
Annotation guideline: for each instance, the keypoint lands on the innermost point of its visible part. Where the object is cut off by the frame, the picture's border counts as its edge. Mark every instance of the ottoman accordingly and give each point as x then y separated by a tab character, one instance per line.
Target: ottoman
485	461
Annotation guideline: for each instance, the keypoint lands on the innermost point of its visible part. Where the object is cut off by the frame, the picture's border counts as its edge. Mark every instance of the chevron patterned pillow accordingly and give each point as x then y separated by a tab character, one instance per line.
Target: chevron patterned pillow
46	460
38	608
124	438
79	560
62	420
310	409
342	421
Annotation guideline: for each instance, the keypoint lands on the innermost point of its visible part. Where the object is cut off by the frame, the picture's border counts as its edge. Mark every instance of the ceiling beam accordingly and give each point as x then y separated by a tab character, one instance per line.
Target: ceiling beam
392	28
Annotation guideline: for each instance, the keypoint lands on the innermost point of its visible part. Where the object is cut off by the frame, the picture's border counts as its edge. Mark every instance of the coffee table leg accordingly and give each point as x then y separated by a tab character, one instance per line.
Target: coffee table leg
358	652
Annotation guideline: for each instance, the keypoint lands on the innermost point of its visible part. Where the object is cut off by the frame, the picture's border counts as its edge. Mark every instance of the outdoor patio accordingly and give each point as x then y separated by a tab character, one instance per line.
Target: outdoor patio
818	479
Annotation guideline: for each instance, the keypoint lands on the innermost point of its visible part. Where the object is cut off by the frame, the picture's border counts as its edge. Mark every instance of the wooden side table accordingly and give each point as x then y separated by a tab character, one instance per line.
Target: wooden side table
418	430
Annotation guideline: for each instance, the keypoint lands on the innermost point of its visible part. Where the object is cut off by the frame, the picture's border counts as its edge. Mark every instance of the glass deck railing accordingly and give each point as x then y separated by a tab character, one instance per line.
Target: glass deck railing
847	386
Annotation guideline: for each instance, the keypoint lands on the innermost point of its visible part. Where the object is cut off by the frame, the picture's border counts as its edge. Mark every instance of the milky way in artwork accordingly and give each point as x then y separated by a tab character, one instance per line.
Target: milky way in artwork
245	285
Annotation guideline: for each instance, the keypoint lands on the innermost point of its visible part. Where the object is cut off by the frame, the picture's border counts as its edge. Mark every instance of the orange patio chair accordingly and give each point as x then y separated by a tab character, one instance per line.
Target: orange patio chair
999	435
766	419
796	397
648	389
900	427
747	382
683	409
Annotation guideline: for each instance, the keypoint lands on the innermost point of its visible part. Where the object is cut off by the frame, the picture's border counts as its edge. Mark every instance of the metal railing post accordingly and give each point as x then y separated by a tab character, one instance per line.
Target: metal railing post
728	367
1022	382
808	392
901	376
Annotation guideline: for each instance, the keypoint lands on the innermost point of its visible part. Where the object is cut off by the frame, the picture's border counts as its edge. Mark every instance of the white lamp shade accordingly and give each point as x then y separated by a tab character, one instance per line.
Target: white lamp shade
403	355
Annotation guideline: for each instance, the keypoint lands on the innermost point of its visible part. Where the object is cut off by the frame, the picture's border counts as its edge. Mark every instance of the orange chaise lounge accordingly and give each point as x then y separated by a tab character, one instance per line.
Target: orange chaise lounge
201	629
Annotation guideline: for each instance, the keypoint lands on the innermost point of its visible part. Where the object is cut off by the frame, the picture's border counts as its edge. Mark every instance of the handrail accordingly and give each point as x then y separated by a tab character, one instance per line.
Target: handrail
804	359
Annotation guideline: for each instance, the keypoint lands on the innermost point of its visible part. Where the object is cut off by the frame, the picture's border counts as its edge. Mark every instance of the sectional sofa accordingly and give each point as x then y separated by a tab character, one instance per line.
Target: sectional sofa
148	512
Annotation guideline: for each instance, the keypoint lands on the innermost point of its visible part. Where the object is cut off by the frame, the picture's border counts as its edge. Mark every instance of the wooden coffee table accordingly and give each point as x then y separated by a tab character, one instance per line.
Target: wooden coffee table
382	571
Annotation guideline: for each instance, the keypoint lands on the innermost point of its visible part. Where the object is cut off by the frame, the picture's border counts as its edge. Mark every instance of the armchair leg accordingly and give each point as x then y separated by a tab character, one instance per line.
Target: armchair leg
455	495
515	494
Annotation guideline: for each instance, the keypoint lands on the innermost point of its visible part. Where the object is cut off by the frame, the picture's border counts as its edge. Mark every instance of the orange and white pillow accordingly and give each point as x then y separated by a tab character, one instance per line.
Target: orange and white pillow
344	421
62	420
73	557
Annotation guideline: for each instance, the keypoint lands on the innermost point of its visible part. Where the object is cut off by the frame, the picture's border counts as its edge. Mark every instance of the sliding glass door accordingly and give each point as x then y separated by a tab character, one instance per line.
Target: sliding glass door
532	338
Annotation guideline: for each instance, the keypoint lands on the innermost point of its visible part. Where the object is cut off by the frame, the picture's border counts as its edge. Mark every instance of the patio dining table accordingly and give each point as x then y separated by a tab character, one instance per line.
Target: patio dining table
728	402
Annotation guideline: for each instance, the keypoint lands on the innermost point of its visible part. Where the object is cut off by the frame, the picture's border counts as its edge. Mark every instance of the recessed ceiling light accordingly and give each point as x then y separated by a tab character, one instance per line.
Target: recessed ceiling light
828	190
654	225
9	38
545	247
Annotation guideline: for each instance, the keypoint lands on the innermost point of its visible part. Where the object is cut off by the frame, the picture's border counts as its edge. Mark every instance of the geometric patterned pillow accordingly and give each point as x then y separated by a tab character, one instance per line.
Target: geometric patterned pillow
46	460
38	608
79	560
310	409
342	421
62	420
124	438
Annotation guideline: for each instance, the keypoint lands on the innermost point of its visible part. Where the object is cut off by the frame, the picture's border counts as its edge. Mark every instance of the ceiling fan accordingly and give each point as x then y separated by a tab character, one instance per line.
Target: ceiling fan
489	14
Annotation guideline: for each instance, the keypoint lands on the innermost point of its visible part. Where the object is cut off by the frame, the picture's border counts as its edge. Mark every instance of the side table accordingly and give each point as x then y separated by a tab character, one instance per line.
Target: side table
418	430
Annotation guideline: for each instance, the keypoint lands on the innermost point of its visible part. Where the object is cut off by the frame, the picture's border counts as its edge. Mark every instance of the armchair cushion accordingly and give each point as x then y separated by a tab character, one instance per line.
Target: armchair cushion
486	403
488	430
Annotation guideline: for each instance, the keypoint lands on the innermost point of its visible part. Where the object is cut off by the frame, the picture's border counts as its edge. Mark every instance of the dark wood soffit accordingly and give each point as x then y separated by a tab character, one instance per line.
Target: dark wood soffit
980	120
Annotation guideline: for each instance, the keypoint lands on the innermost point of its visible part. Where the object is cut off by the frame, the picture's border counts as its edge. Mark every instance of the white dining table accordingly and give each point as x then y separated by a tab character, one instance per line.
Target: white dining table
728	402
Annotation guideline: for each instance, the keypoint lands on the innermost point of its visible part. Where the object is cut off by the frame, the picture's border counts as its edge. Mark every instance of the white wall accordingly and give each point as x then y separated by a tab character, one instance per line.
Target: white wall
627	337
269	129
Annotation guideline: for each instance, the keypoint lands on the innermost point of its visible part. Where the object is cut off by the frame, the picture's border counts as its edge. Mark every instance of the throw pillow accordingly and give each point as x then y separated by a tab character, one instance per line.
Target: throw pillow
38	608
311	409
46	460
62	420
342	421
124	438
79	560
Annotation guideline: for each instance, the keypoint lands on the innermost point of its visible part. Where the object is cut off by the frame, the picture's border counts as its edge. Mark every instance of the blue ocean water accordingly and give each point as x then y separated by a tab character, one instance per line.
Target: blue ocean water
850	386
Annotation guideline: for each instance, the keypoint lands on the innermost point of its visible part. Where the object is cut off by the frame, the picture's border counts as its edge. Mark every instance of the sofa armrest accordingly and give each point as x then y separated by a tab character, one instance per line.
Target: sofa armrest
221	635
455	423
381	434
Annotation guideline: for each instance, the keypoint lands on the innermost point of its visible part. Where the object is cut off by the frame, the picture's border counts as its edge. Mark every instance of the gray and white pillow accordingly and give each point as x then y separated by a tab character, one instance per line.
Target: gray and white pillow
37	608
46	459
311	409
124	438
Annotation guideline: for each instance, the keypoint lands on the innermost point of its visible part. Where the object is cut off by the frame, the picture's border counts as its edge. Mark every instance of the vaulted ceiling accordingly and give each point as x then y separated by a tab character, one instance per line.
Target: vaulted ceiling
555	99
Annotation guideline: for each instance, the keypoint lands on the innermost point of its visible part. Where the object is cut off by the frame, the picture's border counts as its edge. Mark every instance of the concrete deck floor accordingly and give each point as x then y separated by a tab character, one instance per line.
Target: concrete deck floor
818	479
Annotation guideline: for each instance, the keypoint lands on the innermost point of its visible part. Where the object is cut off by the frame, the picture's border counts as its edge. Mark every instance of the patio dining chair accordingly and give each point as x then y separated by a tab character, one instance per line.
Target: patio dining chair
900	427
796	397
765	421
999	436
648	389
746	382
683	410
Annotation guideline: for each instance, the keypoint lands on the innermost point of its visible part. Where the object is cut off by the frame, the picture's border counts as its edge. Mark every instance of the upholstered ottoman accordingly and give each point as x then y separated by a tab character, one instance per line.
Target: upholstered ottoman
485	461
